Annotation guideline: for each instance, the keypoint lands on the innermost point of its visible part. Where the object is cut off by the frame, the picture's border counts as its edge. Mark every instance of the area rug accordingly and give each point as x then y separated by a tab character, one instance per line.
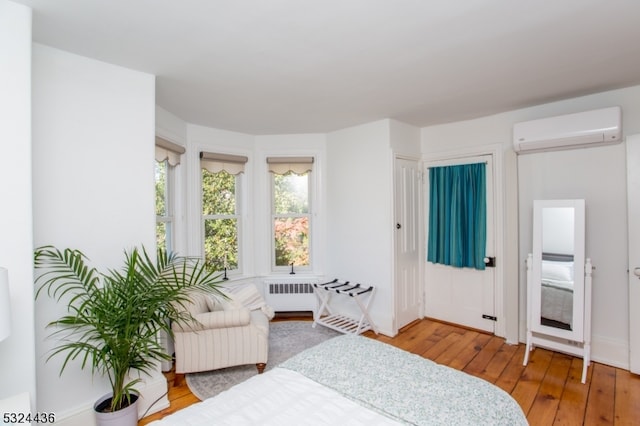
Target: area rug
286	338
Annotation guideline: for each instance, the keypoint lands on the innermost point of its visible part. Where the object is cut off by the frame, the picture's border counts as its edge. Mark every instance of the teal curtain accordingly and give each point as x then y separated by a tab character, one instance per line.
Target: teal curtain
458	215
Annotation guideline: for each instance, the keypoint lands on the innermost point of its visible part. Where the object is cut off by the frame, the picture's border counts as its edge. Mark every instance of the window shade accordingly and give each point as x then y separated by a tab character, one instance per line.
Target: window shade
169	151
283	165
215	162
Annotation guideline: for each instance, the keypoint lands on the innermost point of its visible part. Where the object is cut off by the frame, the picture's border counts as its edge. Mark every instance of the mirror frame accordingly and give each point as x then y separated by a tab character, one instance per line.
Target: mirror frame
535	292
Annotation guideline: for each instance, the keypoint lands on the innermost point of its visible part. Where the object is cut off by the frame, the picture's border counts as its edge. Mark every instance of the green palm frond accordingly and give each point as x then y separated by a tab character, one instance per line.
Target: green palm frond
113	318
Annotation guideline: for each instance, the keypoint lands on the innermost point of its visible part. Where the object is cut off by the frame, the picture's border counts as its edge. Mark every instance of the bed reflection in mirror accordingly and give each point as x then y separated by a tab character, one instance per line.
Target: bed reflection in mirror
557	269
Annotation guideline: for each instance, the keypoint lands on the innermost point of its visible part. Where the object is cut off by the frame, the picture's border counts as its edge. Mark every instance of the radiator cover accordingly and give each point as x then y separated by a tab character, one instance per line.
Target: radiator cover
290	295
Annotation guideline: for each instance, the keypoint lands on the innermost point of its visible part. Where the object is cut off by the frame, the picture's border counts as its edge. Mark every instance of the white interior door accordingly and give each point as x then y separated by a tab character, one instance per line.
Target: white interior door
633	205
464	296
408	290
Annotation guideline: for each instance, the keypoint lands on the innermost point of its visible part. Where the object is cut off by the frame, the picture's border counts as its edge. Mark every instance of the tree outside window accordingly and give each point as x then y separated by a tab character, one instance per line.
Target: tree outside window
221	219
291	219
163	204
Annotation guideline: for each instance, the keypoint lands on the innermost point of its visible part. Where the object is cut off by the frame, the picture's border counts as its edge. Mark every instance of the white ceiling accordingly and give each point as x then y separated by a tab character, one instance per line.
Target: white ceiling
304	66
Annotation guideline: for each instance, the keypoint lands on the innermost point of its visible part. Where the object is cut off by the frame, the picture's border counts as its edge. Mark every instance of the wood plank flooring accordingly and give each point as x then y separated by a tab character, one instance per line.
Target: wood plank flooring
548	389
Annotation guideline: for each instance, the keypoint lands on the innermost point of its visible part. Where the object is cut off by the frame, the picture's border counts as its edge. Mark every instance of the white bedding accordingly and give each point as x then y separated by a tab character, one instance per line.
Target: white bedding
557	291
557	303
354	380
277	398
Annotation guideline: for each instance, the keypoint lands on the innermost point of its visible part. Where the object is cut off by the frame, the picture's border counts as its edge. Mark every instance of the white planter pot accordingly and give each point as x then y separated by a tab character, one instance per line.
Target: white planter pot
125	417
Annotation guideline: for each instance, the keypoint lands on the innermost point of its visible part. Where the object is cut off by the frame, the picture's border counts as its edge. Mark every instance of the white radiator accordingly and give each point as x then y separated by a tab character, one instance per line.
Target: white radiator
290	295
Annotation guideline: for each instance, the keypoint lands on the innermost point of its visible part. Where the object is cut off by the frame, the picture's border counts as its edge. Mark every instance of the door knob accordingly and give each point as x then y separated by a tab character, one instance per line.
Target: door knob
636	271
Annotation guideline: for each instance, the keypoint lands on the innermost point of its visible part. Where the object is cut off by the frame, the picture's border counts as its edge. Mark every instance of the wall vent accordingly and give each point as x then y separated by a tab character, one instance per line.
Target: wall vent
290	288
290	295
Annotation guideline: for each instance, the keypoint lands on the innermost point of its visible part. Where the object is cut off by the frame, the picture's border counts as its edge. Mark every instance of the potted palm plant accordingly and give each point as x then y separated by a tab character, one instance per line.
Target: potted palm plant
113	318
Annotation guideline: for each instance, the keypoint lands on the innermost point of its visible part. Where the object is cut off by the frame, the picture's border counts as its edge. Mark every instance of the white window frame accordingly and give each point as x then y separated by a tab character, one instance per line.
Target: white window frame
311	191
169	201
239	216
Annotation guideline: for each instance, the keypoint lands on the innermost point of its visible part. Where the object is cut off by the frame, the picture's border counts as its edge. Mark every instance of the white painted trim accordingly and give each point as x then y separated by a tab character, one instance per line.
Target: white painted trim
155	388
457	161
318	212
421	237
178	195
194	207
613	352
633	249
17	404
471	154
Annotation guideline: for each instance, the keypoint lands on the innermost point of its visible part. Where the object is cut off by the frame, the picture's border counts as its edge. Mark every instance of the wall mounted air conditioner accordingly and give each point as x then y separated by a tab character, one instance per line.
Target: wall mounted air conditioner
579	130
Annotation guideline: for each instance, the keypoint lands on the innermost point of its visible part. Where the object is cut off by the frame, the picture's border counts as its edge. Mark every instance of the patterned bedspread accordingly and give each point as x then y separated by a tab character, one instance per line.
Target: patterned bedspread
404	386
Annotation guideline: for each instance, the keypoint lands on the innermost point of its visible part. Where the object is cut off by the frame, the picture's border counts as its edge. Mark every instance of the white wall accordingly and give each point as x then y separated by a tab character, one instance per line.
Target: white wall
93	180
17	353
405	139
559	235
170	126
597	174
360	212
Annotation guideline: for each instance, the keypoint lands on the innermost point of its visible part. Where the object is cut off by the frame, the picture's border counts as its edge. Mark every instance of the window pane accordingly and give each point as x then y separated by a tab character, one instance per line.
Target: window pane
292	241
218	193
161	235
161	188
291	193
221	243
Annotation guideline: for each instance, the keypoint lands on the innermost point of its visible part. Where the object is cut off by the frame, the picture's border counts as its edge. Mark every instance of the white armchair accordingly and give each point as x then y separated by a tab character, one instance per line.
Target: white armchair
226	334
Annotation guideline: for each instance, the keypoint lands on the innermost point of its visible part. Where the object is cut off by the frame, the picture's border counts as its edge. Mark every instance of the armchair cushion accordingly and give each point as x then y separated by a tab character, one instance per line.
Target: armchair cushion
248	296
213	304
217	319
216	303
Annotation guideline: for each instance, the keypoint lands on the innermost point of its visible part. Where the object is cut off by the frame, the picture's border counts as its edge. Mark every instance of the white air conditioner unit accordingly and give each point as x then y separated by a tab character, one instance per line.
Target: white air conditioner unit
579	130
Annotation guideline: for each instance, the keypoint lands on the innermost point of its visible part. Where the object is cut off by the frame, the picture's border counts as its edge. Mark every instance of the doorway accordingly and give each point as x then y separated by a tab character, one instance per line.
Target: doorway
467	296
408	241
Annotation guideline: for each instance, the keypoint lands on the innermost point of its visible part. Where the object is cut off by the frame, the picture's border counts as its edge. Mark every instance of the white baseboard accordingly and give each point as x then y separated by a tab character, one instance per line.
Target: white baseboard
154	395
152	389
79	417
605	350
610	352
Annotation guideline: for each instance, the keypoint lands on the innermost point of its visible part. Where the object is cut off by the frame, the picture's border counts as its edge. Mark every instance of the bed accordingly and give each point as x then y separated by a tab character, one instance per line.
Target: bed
557	290
355	380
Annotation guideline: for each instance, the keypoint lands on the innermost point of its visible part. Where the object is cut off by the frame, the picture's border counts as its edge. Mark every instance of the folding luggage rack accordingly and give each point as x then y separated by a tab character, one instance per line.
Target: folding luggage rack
327	317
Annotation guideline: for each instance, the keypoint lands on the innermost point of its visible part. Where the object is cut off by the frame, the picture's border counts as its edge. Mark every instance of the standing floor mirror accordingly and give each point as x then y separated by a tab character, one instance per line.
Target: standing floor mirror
559	281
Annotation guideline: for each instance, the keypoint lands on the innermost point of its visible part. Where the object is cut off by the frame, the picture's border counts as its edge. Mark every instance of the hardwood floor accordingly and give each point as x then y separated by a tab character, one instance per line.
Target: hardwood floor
548	389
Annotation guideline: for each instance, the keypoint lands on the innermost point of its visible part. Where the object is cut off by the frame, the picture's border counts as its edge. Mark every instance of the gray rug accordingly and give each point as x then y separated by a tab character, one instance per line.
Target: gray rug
286	338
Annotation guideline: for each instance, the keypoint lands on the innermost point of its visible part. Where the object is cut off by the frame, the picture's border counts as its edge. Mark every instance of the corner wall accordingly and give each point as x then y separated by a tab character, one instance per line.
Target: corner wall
93	189
360	213
17	352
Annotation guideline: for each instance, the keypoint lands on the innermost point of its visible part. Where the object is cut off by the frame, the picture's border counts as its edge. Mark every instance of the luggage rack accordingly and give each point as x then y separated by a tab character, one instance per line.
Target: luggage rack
325	315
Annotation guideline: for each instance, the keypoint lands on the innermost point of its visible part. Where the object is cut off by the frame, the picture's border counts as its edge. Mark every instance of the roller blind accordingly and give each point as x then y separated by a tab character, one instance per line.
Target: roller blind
216	162
283	165
169	151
